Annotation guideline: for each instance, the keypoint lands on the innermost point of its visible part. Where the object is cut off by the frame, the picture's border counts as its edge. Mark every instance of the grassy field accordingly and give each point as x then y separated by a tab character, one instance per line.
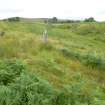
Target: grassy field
70	68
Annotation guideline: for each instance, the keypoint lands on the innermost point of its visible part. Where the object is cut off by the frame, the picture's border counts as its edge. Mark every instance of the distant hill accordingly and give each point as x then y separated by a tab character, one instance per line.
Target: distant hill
28	19
33	19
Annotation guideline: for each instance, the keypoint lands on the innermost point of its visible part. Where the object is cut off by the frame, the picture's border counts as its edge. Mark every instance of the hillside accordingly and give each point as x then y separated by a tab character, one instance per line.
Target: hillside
23	19
70	67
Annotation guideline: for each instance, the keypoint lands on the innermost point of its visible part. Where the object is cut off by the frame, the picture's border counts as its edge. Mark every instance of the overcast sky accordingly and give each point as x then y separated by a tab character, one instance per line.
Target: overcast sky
72	9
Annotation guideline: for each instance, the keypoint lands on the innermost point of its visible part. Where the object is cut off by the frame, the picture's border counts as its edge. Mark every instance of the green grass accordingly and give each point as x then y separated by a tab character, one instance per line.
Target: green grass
18	86
72	64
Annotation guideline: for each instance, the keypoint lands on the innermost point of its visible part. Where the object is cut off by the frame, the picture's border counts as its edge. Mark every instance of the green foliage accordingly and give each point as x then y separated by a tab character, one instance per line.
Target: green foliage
87	29
14	19
32	91
94	61
79	93
53	20
91	19
9	70
46	46
26	89
63	26
29	89
67	53
89	59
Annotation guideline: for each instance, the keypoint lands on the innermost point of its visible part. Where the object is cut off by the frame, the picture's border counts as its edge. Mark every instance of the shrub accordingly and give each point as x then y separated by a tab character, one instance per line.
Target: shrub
19	87
9	70
91	19
27	90
32	91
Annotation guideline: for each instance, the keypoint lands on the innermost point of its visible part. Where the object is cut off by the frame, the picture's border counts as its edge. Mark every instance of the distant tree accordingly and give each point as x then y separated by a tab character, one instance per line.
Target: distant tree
13	19
45	21
9	19
91	19
68	21
17	19
54	19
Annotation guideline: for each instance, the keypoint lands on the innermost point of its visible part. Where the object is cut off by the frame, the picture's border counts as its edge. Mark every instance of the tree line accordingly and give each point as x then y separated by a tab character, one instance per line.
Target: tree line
12	19
56	20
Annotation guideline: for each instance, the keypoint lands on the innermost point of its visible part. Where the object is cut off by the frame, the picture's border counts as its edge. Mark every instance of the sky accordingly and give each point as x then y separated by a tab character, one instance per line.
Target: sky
63	9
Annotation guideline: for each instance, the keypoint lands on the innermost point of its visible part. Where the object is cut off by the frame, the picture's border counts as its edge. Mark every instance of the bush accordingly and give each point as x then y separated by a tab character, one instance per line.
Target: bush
27	90
19	87
32	91
91	19
9	70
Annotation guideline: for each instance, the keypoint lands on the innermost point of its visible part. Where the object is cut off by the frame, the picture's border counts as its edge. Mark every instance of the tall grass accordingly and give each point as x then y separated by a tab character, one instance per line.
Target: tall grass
28	89
88	59
24	84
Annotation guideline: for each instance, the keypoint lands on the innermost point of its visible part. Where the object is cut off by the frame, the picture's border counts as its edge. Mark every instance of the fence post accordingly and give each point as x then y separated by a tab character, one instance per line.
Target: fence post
45	36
